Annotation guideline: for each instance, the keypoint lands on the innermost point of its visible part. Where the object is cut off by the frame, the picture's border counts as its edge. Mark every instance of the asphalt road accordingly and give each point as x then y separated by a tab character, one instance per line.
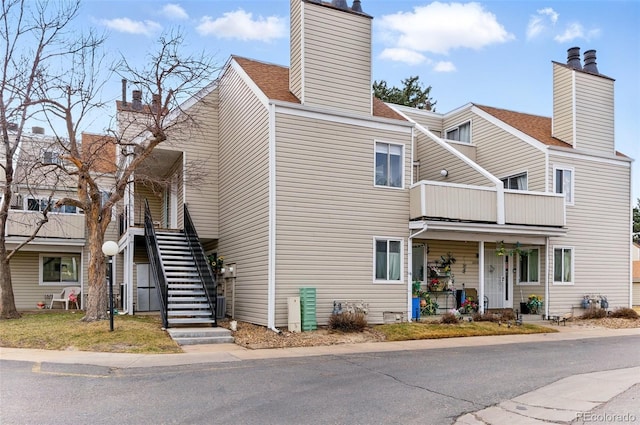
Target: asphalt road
409	387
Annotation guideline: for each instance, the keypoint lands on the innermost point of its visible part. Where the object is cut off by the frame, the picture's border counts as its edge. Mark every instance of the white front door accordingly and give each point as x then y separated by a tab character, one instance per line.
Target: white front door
496	286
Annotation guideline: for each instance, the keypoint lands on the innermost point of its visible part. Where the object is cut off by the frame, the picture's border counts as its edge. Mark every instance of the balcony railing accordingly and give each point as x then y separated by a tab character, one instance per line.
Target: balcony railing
68	226
455	202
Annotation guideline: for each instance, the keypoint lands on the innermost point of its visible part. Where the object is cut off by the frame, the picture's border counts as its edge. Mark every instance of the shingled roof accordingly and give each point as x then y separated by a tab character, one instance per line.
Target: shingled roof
273	81
532	125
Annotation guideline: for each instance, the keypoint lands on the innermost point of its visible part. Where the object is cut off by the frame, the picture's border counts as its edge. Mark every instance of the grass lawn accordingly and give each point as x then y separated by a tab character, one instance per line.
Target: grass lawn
143	334
64	331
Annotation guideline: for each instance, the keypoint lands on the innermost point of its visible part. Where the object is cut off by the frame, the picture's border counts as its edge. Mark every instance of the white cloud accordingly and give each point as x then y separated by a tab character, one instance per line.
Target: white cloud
409	57
174	11
441	27
241	25
570	33
444	66
130	26
540	22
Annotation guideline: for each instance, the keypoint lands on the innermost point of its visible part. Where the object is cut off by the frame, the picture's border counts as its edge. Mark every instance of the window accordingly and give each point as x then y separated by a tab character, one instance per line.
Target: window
40	204
388	259
517	182
462	133
388	165
51	157
60	270
529	267
563	265
564	183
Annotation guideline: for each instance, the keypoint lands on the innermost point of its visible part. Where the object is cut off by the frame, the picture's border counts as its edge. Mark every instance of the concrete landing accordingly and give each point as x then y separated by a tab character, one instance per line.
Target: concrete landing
194	336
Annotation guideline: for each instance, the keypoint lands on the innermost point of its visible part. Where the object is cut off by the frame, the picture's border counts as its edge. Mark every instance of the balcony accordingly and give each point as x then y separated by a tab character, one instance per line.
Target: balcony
67	226
456	202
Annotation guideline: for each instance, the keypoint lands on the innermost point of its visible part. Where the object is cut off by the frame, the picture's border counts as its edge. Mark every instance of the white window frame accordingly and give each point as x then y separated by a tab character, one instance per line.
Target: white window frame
553	265
573	183
54	157
515	176
402	164
386	239
61	283
25	205
528	282
457	127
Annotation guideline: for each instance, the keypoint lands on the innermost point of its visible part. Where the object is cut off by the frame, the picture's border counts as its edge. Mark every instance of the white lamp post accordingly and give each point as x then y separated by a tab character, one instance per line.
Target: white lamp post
110	248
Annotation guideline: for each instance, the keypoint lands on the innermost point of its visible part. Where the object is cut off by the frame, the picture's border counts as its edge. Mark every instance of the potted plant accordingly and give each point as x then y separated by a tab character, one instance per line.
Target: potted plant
416	292
534	304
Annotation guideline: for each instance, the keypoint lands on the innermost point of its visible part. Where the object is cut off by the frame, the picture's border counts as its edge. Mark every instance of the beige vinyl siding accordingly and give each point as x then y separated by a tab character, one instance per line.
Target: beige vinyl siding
295	67
563	99
492	145
594	114
25	281
200	146
431	121
598	226
465	270
328	213
153	196
434	158
244	195
337	59
22	223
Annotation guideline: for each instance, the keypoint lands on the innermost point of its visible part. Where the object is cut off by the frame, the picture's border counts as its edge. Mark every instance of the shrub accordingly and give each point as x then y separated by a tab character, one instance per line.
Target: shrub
594	313
507	314
486	317
348	322
625	313
449	318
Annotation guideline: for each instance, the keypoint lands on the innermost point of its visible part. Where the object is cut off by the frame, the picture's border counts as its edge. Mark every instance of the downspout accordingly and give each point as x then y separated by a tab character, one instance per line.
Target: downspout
546	280
271	284
481	277
410	271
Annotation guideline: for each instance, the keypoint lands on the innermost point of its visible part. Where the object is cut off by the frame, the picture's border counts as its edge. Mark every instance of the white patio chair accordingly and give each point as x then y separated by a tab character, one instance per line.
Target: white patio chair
63	297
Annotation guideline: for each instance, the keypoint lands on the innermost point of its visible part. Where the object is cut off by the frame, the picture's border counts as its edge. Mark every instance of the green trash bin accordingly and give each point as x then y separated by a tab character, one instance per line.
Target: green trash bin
308	309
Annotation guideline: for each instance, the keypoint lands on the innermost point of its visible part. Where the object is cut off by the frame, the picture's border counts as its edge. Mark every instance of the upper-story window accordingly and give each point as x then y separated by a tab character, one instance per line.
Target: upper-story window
51	157
388	165
517	182
40	204
461	133
564	183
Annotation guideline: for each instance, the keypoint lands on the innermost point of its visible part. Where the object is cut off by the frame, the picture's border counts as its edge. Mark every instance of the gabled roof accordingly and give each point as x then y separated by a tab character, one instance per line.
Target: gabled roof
273	81
532	125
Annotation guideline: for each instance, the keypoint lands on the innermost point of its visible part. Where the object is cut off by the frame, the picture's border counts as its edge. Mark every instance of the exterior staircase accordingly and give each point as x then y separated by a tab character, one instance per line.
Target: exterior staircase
187	302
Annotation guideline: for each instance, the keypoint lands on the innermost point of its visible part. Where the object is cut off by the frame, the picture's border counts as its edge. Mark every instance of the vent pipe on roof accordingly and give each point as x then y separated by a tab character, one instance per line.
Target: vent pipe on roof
37	130
124	92
340	4
573	58
357	7
590	62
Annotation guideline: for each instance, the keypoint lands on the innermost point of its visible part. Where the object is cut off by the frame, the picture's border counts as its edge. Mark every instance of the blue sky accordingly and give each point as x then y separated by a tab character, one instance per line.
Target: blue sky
496	53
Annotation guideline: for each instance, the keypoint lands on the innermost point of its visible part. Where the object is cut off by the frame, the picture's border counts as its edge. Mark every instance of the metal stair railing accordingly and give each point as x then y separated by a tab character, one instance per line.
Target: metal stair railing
202	264
155	263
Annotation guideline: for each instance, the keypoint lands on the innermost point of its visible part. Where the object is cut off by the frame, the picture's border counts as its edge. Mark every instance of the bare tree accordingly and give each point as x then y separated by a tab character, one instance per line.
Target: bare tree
170	77
33	39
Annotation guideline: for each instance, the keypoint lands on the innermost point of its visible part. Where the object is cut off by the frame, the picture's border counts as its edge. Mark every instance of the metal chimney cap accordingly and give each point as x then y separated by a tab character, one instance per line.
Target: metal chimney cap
590	64
573	58
357	6
340	4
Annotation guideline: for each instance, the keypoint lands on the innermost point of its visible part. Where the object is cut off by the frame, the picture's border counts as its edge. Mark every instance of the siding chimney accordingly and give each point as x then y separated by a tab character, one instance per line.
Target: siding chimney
573	58
136	103
155	102
590	62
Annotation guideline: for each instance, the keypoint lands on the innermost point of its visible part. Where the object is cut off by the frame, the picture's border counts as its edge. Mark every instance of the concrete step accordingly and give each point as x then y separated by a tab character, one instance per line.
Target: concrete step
190	321
190	313
193	335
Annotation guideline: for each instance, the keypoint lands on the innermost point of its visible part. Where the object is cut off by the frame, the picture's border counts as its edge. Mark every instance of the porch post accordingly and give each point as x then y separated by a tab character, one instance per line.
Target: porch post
546	278
409	277
481	276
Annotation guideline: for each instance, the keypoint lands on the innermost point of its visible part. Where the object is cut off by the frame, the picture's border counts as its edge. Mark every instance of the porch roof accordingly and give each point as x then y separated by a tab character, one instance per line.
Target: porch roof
469	231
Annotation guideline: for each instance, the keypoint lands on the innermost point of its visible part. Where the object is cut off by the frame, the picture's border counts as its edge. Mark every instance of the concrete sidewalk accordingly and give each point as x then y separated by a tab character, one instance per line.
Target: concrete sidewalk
592	397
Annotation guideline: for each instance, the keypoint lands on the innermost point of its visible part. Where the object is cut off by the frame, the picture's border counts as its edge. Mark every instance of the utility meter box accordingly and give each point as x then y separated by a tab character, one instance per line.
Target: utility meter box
293	304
